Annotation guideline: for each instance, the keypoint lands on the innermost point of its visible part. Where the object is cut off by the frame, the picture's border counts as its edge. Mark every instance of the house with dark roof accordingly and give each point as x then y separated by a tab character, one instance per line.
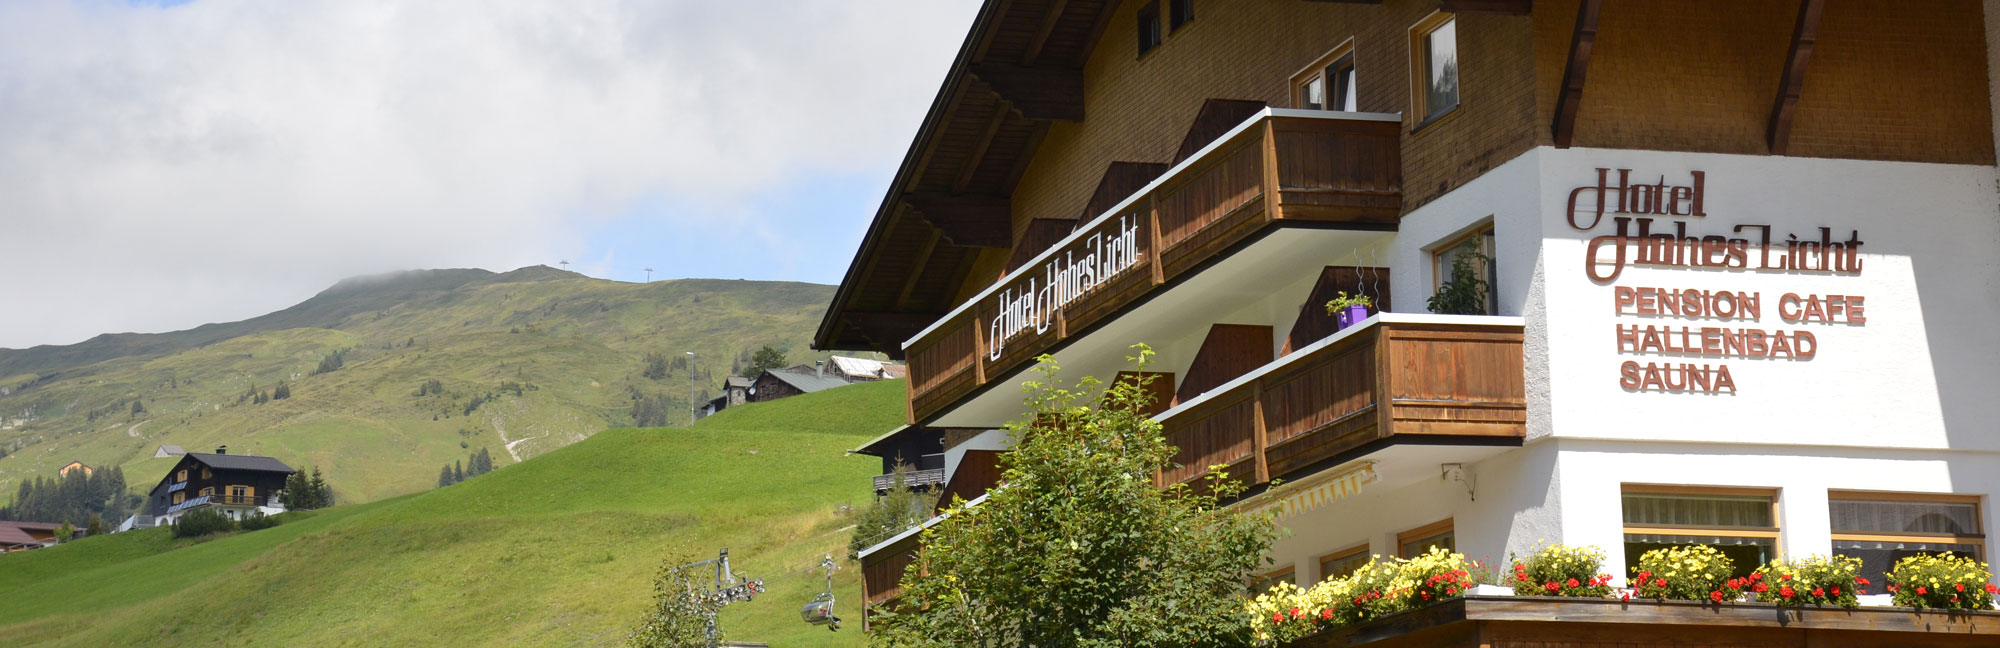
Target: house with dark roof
20	536
169	450
234	484
774	384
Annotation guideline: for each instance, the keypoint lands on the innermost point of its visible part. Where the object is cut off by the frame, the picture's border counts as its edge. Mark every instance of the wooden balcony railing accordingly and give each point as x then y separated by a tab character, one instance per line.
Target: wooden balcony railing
1280	167
1393	377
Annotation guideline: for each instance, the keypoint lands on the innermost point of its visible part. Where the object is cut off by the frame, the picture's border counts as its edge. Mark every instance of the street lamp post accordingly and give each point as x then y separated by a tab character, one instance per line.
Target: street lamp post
693	407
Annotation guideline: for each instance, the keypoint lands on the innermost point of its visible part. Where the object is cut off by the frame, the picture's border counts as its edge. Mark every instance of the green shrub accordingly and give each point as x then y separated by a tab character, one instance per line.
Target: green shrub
1558	570
1941	581
257	520
201	522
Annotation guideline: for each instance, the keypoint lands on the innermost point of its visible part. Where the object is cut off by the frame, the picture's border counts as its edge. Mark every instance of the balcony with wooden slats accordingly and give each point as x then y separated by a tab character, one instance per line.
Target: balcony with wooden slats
1393	378
1278	169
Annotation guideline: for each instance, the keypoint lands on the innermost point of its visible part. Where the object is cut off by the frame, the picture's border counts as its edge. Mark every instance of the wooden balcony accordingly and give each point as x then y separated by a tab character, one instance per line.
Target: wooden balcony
1393	378
1280	168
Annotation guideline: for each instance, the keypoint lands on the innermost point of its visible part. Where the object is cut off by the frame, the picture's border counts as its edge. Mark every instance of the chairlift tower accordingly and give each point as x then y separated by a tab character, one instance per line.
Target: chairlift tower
727	589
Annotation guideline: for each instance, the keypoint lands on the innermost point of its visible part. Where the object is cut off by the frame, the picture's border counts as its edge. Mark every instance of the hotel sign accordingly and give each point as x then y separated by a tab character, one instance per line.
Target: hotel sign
1715	326
1030	305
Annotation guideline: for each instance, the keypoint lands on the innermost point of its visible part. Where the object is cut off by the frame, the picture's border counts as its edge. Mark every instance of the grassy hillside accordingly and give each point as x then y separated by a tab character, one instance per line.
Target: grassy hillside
557	550
528	361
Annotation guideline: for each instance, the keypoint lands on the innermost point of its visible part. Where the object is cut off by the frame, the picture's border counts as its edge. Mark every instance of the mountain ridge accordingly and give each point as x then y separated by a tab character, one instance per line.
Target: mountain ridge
523	361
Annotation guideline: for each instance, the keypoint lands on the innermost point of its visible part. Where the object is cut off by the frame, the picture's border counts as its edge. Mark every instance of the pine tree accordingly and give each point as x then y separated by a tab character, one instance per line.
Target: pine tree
444	477
457	472
321	494
485	461
96	526
281	392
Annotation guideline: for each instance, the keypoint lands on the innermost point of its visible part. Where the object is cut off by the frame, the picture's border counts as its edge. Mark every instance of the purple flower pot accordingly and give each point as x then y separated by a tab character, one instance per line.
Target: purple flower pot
1351	315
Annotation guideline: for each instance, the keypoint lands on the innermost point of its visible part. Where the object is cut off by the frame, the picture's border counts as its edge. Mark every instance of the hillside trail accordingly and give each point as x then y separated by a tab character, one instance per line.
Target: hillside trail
500	428
134	430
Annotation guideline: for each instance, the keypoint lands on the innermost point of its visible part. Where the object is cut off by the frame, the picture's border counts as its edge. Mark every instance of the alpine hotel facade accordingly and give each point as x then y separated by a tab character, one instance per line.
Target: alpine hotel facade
1742	262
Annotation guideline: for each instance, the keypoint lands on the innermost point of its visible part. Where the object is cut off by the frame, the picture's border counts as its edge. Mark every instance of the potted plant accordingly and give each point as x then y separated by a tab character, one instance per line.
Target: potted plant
1349	309
1464	292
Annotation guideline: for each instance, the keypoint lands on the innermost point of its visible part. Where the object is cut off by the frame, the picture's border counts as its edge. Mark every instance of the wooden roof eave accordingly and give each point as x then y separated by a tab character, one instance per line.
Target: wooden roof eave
830	326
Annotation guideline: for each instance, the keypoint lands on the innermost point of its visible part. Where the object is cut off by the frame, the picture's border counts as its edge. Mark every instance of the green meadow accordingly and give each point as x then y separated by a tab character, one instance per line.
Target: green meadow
559	549
529	361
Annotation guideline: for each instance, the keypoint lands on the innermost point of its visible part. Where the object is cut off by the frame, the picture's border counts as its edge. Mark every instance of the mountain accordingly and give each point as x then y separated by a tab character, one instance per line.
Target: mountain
524	362
557	550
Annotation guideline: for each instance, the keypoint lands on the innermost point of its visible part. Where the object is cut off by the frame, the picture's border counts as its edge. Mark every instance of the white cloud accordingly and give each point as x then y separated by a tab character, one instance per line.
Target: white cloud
160	168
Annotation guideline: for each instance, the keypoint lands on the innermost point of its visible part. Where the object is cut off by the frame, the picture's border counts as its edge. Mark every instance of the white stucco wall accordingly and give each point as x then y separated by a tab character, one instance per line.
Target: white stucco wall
1917	374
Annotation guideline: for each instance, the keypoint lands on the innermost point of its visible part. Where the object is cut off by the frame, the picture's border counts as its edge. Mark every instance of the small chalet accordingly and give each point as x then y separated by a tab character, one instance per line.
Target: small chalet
75	466
234	484
774	384
863	369
20	536
168	451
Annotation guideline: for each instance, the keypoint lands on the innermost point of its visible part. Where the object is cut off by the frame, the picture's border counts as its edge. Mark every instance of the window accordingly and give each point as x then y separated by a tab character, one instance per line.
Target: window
1418	541
239	493
1343	562
1466	264
208	491
1434	66
1183	13
180	497
1327	84
1741	523
1882	528
1149	27
205	474
181	476
1272	579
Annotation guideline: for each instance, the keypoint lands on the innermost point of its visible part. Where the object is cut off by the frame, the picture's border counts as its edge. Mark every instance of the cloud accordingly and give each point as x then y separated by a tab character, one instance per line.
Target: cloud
163	167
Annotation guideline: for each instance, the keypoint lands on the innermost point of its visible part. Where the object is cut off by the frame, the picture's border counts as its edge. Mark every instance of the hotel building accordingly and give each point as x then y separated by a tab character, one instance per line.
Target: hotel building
1740	263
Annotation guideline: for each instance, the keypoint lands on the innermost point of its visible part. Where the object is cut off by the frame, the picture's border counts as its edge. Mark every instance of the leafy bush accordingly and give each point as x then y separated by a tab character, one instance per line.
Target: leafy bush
201	522
1942	581
1810	581
1692	573
1558	570
257	521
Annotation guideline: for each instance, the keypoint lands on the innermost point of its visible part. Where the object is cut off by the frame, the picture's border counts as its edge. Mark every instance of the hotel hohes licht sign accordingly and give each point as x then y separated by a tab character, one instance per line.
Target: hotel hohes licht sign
1683	339
1029	305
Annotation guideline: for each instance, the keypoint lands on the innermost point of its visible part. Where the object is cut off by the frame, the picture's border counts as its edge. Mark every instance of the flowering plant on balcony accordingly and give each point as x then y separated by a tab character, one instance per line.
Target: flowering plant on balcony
1809	581
1942	581
1691	573
1435	576
1285	613
1342	300
1558	570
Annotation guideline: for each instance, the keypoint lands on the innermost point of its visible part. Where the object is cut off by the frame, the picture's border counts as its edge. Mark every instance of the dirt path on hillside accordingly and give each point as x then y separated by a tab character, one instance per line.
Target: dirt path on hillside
500	427
134	430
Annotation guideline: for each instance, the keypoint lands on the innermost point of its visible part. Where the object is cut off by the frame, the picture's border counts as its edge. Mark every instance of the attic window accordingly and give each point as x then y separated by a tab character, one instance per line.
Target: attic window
1182	14
1149	27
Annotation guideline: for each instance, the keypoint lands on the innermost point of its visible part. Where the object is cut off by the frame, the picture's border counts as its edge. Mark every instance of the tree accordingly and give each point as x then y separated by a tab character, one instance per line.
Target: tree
896	511
281	392
138	408
656	366
1079	548
484	461
457	472
651	410
321	493
764	359
680	614
96	526
444	477
332	362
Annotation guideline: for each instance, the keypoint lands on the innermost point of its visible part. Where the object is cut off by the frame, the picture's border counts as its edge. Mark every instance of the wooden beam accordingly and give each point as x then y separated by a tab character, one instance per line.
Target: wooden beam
968	220
1804	33
1570	94
1503	7
1038	92
1049	19
1096	31
986	42
922	261
971	165
889	330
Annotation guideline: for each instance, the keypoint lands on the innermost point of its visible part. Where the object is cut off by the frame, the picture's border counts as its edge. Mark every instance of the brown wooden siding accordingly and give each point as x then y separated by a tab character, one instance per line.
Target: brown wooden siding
1208	206
1230	350
1314	322
1461	381
1537	622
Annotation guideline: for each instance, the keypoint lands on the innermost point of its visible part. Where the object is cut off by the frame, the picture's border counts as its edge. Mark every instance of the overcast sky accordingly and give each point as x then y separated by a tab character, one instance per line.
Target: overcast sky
166	166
